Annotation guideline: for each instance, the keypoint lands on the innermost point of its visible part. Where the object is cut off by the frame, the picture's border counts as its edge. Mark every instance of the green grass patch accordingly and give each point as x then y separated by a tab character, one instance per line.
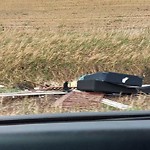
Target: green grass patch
8	90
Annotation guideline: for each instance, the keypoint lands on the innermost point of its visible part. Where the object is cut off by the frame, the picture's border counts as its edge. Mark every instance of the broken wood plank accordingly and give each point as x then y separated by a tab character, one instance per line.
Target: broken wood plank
59	102
79	99
38	93
115	104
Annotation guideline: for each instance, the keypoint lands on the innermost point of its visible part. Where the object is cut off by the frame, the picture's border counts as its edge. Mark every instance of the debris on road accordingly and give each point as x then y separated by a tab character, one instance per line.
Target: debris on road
30	93
2	86
110	82
91	90
145	89
86	99
77	99
115	104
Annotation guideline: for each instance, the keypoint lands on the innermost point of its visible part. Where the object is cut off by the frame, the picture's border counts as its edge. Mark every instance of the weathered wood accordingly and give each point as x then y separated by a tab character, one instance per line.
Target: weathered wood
79	99
38	93
59	102
115	104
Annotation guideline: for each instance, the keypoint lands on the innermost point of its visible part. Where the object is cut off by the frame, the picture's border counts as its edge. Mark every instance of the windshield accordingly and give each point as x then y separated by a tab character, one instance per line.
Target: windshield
74	56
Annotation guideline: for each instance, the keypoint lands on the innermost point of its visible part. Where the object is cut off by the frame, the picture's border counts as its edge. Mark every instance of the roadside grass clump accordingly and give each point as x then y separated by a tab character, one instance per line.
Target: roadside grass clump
8	90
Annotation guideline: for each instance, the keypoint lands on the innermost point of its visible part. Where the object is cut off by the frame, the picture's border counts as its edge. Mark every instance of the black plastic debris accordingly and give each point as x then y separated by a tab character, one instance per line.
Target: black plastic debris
116	78
104	87
110	82
144	89
65	87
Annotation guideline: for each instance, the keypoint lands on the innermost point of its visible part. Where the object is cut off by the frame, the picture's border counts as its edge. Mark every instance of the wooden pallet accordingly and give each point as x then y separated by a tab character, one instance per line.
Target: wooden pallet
30	93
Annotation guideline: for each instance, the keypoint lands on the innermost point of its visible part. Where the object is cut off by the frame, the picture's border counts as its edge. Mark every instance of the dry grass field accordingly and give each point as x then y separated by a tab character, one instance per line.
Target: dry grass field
57	40
44	40
78	15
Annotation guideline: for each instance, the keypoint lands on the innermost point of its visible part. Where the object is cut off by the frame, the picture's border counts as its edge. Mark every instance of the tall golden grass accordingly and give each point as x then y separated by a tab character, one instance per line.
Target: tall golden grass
42	56
60	40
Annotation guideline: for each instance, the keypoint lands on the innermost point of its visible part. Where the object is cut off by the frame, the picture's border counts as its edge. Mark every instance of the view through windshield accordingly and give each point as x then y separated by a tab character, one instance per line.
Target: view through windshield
74	56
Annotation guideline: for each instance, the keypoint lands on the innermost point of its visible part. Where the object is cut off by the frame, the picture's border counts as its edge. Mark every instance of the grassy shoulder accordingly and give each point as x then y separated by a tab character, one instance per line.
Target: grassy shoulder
38	105
8	90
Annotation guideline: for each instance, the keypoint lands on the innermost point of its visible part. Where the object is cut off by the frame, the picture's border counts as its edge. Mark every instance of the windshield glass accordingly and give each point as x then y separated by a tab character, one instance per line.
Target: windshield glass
74	56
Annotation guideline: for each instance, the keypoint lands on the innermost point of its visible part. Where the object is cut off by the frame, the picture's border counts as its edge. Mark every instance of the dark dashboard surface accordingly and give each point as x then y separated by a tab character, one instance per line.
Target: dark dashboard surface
106	131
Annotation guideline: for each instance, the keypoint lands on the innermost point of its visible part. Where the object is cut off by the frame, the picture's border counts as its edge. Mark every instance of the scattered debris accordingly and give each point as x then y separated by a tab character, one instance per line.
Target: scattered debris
86	99
60	101
77	99
73	83
110	82
2	86
145	89
25	85
65	87
37	88
91	90
52	83
29	93
115	104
